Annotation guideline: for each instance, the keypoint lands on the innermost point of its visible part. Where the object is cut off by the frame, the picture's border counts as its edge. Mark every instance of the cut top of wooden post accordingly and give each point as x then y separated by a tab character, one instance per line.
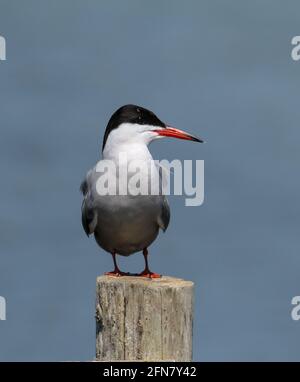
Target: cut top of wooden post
144	319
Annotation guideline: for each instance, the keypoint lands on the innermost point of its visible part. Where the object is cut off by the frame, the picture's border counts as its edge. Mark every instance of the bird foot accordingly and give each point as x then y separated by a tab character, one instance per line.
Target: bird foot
116	273
148	274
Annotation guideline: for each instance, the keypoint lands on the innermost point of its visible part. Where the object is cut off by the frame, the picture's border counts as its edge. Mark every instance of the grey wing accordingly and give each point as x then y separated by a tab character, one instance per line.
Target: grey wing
164	217
88	214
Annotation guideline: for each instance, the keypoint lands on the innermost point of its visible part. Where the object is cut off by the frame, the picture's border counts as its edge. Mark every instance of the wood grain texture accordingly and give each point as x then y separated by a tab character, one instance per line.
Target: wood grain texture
143	319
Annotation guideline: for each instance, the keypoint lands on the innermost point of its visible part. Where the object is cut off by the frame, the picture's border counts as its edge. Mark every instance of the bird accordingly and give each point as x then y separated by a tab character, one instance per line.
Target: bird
122	223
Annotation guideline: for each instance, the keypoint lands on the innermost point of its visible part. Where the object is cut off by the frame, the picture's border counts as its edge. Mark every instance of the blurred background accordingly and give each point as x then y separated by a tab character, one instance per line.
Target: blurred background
219	69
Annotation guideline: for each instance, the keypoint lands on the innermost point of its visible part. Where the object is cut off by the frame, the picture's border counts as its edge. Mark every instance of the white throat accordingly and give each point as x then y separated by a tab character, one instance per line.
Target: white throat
127	147
131	139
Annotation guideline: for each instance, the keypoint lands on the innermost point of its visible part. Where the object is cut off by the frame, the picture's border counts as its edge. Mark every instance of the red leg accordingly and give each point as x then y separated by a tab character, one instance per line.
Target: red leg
116	272
146	272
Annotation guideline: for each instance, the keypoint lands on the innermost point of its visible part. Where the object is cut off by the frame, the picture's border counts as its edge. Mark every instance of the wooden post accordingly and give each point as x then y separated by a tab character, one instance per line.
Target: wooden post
143	319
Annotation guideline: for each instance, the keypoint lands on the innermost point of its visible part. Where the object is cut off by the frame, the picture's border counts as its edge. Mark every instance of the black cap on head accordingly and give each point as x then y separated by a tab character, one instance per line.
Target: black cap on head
131	114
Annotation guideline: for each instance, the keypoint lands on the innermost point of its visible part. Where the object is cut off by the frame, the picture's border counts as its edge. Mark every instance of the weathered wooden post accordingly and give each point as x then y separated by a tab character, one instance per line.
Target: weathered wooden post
143	319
